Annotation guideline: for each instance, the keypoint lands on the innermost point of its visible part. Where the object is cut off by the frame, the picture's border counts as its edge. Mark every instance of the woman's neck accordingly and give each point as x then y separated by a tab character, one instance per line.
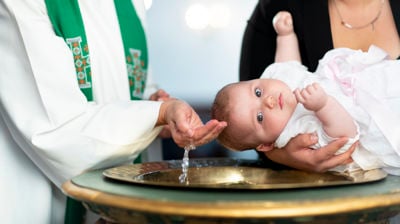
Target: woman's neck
358	24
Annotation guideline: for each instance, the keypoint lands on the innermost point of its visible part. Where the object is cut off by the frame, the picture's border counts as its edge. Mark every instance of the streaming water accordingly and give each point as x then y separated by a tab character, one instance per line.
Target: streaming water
185	164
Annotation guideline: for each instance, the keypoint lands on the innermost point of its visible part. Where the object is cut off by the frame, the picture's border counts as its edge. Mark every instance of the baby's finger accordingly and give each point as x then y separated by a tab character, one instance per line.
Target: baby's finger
298	96
305	94
316	86
309	90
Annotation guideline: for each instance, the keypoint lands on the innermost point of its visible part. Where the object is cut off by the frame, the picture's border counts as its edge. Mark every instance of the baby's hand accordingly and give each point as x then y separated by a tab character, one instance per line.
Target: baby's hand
313	97
283	23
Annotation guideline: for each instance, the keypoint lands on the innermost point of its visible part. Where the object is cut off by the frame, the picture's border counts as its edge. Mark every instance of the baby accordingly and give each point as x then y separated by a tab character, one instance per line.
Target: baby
337	100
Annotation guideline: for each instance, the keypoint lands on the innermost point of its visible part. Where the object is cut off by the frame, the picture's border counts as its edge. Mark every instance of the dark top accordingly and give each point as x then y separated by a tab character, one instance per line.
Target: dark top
311	24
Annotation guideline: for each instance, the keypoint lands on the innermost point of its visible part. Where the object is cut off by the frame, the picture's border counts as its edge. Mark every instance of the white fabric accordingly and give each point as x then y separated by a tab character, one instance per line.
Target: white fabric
365	83
46	119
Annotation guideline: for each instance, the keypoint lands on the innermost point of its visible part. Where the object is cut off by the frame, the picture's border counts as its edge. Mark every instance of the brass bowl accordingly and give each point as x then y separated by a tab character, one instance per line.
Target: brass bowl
227	173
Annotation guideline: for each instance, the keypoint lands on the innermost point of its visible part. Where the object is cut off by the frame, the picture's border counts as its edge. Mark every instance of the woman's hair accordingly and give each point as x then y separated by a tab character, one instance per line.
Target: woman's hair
221	110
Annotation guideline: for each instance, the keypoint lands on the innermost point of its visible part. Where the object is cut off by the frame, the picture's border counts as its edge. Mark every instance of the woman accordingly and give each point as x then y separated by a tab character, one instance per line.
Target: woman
320	25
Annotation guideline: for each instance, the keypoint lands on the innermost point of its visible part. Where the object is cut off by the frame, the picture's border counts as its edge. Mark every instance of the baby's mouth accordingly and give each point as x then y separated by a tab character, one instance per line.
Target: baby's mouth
280	101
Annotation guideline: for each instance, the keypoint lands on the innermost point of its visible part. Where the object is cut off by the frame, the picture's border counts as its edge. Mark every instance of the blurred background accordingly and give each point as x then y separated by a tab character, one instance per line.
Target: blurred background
194	51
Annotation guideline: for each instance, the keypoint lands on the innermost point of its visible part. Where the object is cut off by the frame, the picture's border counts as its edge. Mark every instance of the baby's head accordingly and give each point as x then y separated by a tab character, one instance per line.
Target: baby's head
256	112
223	109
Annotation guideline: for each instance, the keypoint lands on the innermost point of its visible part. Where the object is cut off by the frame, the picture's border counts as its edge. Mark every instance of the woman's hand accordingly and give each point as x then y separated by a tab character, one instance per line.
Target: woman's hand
185	124
297	154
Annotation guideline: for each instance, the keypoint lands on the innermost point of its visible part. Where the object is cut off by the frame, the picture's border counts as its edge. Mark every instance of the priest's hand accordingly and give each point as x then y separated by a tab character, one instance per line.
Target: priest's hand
186	127
162	95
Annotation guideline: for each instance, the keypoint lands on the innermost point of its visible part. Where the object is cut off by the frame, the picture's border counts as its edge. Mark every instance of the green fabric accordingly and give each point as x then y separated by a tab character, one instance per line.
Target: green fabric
138	159
74	212
135	46
67	22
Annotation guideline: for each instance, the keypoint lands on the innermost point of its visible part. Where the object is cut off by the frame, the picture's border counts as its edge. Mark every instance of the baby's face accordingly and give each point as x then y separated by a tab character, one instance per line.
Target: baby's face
261	109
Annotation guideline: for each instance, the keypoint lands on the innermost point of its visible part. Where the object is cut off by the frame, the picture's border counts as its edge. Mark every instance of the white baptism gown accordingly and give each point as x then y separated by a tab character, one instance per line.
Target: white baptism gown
367	85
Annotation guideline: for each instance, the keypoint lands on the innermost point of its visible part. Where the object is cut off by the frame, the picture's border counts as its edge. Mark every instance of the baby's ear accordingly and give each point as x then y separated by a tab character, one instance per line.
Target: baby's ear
265	147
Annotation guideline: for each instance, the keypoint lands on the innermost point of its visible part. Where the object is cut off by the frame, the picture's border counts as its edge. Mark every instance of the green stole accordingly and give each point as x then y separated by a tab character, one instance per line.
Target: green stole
67	22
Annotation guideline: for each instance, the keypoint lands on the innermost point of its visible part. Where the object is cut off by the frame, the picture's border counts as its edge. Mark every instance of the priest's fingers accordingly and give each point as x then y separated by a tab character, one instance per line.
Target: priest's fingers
202	134
208	132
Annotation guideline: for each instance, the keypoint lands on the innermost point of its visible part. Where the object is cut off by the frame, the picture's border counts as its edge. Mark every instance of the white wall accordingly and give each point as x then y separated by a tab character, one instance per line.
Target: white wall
191	64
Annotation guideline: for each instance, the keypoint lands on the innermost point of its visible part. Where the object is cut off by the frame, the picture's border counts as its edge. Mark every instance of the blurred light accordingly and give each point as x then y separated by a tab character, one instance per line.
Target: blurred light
220	16
197	17
147	4
234	177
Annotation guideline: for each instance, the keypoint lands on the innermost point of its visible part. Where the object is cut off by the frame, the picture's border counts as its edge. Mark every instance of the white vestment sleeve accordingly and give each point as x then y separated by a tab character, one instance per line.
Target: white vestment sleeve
45	110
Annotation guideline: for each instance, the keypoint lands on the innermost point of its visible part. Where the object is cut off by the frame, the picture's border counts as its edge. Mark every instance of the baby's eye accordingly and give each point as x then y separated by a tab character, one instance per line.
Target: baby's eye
260	117
258	92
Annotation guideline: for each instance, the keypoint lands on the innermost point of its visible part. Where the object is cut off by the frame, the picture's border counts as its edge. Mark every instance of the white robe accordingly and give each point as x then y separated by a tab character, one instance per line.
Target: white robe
48	131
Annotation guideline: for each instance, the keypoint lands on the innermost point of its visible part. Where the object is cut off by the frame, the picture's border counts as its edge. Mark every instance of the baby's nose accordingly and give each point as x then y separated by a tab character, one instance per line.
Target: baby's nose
270	102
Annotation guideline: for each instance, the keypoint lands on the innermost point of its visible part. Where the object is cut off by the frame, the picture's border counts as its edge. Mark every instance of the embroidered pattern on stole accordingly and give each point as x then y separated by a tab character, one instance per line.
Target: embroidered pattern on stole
67	22
81	61
137	74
